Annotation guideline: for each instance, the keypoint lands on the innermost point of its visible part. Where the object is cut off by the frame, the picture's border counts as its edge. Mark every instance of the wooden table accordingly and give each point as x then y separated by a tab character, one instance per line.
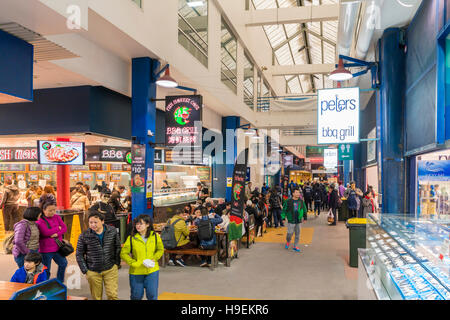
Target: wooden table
219	234
7	289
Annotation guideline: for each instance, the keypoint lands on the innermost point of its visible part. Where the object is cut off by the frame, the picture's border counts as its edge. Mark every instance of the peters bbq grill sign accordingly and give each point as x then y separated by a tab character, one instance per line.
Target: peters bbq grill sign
18	154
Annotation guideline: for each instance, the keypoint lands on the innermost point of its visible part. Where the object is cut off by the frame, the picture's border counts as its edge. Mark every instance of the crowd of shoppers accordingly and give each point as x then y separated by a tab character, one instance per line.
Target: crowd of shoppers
99	252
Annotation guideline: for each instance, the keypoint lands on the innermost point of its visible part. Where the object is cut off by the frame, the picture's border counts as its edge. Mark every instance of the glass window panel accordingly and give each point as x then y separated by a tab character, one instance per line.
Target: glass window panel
228	58
193	29
248	81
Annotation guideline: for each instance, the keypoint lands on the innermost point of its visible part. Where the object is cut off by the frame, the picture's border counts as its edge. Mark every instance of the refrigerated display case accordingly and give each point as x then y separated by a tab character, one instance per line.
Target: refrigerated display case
406	258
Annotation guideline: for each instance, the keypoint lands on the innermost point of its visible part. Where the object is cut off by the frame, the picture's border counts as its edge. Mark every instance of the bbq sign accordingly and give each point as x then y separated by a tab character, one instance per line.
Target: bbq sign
181	114
338	116
61	152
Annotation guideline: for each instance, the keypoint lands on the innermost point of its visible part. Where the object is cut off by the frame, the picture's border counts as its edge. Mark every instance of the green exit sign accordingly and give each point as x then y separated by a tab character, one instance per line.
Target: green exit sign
345	152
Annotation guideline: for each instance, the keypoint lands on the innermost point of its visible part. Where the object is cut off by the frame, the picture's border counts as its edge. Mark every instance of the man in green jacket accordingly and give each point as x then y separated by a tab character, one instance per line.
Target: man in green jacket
294	209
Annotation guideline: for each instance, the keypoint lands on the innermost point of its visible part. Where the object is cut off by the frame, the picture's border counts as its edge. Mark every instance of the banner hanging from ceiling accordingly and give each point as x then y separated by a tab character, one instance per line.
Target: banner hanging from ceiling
184	128
338	116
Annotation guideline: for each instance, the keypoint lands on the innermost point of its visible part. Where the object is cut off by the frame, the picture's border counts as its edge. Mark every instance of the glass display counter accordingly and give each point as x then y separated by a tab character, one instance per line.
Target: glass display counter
174	197
167	202
407	258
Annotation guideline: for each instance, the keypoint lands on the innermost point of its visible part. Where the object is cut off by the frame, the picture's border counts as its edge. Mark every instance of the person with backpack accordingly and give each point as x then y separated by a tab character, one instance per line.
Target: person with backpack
32	272
352	194
294	209
317	197
26	235
175	235
51	227
207	234
275	206
142	251
98	256
307	195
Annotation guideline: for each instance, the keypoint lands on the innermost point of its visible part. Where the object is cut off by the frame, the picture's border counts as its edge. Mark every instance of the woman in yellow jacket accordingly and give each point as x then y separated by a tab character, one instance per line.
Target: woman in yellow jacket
141	251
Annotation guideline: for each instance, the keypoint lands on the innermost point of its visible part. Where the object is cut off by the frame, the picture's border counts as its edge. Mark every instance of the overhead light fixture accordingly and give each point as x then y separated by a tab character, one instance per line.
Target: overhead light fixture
341	74
250	132
167	81
194	4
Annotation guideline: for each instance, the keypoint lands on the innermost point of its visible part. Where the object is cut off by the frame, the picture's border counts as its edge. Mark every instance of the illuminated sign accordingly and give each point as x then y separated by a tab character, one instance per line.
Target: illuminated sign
114	154
184	127
61	152
338	116
18	154
330	161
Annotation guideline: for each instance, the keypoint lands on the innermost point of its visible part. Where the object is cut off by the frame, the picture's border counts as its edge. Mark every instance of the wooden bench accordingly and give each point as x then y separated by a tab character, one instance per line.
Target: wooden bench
195	252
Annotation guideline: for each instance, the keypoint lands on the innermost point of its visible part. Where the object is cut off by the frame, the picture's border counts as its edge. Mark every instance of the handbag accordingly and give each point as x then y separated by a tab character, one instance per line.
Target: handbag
65	247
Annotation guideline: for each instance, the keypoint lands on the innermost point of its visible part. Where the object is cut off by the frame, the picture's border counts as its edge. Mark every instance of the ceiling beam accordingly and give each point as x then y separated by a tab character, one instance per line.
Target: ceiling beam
326	12
298	140
299	69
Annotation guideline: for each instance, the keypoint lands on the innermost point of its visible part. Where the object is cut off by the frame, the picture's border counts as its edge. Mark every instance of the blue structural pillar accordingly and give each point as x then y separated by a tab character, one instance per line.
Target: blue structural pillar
143	116
346	172
391	108
230	145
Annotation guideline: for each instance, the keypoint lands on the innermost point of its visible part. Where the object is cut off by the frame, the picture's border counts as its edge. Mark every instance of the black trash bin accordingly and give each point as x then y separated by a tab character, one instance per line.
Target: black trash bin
343	211
357	238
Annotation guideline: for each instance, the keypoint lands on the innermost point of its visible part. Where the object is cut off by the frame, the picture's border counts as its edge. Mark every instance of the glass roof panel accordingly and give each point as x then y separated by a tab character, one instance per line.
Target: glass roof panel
289	42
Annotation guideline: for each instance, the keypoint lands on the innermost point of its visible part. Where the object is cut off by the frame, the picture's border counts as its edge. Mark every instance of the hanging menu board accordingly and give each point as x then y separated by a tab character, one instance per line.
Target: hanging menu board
204	173
61	152
138	168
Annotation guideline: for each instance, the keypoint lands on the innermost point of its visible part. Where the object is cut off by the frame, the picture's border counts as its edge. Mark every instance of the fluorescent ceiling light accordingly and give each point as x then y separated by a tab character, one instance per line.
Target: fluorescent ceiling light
250	132
193	4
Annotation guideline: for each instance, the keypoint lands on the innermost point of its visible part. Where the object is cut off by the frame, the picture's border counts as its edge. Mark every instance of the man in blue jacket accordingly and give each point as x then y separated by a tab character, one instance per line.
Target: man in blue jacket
32	272
206	234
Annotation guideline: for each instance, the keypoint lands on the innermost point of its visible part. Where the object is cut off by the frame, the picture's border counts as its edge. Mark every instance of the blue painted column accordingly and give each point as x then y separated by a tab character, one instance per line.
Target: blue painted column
346	172
143	116
392	97
230	145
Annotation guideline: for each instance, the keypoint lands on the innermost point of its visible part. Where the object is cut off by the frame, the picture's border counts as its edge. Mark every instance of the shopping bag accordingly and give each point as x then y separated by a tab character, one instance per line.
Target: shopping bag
330	216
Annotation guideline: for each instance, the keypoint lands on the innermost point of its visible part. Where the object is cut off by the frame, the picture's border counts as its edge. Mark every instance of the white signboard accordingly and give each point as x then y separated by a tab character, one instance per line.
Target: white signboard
330	158
338	116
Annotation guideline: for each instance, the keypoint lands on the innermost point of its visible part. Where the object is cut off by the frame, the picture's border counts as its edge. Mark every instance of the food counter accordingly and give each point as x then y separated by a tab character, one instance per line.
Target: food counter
406	258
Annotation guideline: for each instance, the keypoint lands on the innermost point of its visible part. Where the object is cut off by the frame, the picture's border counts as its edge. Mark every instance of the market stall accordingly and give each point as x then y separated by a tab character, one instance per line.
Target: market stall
406	259
182	182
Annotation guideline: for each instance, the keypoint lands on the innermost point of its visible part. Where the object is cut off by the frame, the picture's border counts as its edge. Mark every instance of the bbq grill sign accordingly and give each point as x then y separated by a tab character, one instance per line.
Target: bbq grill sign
61	152
338	116
184	126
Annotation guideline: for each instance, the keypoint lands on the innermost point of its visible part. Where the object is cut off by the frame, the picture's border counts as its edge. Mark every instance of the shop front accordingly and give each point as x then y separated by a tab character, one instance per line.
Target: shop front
103	164
433	185
175	185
